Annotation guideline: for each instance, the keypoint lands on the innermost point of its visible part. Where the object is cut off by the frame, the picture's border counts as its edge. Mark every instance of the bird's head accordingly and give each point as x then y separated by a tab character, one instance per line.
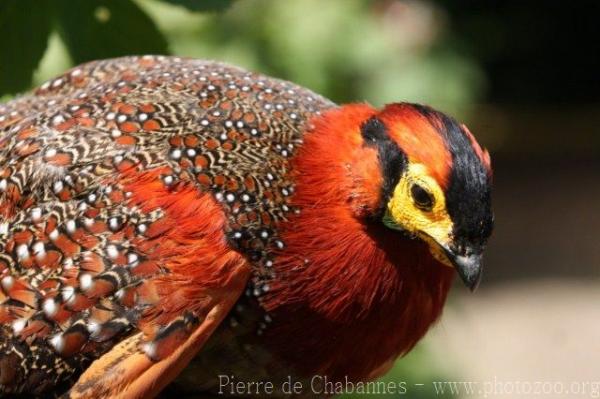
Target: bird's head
443	192
418	171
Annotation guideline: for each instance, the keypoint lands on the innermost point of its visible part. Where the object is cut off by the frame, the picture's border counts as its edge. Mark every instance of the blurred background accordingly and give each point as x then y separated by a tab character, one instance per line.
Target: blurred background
524	76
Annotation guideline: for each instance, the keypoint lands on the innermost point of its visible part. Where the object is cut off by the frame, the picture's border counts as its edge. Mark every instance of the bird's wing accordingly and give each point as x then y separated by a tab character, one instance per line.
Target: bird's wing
138	276
201	281
105	263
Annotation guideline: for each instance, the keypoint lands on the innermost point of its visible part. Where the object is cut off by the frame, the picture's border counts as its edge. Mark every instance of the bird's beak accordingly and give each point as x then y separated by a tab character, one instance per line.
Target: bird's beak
468	266
467	261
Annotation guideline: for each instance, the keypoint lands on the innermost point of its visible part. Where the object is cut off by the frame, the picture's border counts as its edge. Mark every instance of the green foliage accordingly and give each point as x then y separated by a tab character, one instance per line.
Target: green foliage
343	49
90	29
94	29
415	373
202	5
24	29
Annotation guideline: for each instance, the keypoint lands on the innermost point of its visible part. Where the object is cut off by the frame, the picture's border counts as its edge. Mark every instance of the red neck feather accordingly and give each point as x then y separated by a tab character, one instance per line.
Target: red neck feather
353	293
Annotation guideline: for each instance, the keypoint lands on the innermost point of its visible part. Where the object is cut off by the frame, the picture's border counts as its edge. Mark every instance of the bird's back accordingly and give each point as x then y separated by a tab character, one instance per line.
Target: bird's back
87	162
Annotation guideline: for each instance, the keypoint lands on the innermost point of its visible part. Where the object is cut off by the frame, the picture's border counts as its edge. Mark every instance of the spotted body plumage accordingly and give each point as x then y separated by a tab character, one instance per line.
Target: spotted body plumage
77	254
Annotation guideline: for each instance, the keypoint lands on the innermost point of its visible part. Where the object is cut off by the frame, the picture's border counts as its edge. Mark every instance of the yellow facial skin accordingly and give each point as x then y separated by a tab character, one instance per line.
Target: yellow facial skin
432	225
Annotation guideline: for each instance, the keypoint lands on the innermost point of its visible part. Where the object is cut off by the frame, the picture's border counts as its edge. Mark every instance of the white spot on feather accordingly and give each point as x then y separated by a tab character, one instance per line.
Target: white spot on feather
71	226
150	350
86	281
36	214
176	153
168	180
93	327
120	294
22	252
53	234
58	119
68	294
50	307
50	152
58	186
132	258
58	342
7	282
19	325
68	263
113	224
112	251
39	250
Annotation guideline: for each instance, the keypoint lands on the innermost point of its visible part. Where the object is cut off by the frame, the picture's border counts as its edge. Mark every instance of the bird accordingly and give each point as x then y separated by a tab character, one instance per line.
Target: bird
181	225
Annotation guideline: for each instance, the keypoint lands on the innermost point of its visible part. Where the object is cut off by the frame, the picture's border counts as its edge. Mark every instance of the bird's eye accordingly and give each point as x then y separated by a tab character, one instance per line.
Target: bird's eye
423	199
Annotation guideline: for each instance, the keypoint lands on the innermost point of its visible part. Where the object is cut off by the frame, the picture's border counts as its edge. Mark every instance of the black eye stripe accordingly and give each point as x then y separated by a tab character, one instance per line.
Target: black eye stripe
374	131
391	159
